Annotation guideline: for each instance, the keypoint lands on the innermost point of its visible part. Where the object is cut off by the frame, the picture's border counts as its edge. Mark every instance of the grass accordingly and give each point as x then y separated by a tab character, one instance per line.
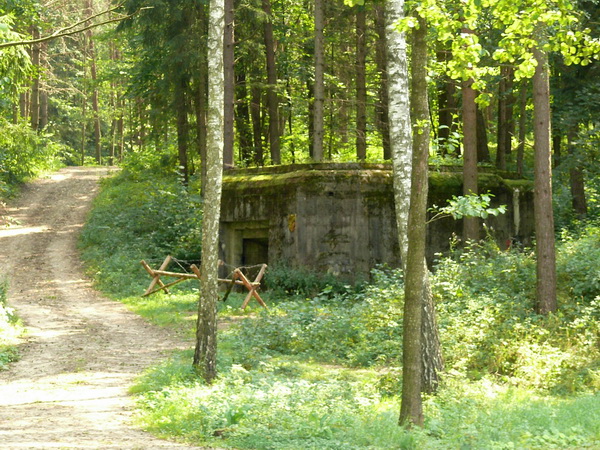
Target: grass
10	330
321	368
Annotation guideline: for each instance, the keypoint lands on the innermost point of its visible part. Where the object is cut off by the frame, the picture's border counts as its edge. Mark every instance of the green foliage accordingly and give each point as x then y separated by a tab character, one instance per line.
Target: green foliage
471	205
25	154
10	329
487	323
281	404
285	280
578	264
140	215
361	329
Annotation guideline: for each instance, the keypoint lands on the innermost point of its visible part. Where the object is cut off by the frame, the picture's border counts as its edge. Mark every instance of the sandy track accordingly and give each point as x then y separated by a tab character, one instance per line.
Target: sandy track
82	351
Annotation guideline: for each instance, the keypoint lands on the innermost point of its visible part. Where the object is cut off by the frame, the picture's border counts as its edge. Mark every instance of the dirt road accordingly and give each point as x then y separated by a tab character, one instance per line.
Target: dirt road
82	351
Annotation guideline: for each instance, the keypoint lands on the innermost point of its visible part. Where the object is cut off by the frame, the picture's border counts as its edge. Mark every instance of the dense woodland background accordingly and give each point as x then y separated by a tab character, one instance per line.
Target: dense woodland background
138	86
307	81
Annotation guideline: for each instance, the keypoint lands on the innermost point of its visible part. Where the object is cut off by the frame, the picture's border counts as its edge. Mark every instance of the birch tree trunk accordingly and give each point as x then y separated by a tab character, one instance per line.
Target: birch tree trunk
424	347
205	354
542	195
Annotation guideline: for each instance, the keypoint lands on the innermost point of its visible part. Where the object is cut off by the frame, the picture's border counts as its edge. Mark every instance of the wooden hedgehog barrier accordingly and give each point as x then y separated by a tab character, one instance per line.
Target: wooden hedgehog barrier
237	278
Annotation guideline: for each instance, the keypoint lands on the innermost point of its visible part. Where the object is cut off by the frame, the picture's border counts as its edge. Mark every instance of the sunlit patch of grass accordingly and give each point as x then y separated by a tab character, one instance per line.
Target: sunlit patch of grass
10	330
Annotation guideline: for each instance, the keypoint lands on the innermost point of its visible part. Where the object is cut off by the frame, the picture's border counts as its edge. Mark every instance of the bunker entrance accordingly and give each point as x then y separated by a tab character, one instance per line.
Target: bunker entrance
255	251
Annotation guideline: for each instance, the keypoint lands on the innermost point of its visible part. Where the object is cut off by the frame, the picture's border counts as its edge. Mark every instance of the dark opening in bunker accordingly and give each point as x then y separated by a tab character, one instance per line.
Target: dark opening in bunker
255	251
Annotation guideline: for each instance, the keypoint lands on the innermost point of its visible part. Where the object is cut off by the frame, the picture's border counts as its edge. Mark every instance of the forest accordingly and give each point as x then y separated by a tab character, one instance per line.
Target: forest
488	346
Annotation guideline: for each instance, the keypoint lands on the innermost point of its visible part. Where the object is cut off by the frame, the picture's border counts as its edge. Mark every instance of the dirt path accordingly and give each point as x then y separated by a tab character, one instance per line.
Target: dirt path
82	351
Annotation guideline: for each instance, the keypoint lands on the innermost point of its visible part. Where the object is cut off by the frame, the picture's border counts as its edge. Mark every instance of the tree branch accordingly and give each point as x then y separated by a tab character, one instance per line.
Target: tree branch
65	31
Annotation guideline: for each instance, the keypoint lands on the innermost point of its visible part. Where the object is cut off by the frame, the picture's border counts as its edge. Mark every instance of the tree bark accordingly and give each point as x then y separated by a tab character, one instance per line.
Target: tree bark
229	77
381	60
576	178
544	217
483	149
522	126
255	108
272	97
411	410
205	354
319	86
94	76
242	118
361	83
180	107
35	88
470	224
506	100
401	147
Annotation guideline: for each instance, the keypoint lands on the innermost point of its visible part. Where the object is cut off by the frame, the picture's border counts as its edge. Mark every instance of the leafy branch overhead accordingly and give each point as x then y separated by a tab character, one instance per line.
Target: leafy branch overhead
467	206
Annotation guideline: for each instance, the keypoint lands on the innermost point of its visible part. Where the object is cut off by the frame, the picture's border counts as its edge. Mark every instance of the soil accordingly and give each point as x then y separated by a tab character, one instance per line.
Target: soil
81	352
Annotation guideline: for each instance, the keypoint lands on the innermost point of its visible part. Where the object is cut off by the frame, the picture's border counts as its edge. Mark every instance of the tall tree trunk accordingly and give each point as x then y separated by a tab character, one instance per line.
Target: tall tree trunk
35	88
576	178
361	83
522	126
506	101
401	146
272	97
381	60
319	86
181	112
544	217
255	108
470	224
205	353
89	6
483	149
23	103
447	109
411	410
228	66
242	118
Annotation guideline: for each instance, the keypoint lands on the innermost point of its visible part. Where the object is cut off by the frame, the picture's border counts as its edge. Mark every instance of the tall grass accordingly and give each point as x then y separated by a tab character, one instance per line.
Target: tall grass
321	368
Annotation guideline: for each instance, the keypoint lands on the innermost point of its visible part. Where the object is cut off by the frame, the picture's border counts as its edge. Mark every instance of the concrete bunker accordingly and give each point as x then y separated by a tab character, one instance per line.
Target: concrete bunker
340	219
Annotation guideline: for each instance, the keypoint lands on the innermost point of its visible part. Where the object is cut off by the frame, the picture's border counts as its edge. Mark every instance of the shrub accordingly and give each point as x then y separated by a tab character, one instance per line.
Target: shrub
10	328
140	216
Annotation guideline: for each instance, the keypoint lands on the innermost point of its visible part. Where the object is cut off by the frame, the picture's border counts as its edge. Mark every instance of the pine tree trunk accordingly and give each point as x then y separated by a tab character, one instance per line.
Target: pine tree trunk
361	83
229	77
272	97
544	217
35	88
319	86
522	126
470	224
255	108
242	118
483	149
180	107
576	178
205	354
381	60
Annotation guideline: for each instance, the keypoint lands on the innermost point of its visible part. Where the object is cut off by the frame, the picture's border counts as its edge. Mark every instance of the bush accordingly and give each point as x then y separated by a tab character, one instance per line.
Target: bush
140	216
25	154
10	328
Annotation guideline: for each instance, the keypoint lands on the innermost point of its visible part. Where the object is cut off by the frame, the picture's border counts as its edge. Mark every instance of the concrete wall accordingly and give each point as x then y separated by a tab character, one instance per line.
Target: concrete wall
339	218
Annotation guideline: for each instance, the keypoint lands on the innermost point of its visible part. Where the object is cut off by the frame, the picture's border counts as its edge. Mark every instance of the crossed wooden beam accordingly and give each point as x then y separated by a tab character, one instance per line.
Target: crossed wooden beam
237	278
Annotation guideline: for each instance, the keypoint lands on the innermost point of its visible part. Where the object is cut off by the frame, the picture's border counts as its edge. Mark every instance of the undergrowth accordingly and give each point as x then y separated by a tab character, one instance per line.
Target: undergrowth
139	215
10	329
322	367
